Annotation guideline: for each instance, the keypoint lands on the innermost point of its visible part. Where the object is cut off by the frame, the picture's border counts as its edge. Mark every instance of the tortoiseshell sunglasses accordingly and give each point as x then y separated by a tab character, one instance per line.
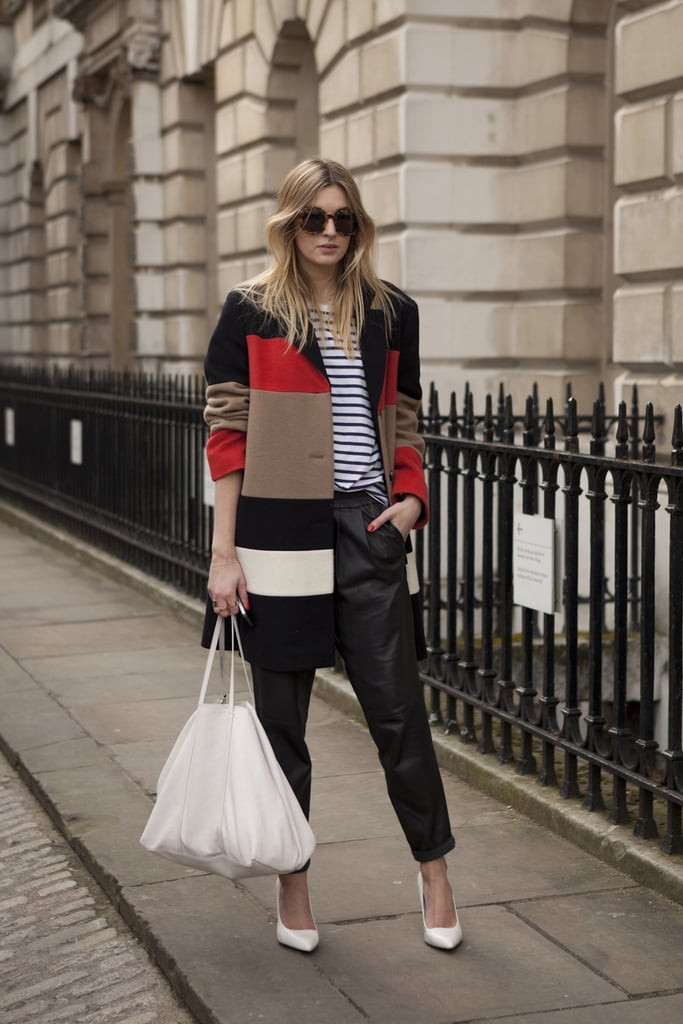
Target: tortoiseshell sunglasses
313	220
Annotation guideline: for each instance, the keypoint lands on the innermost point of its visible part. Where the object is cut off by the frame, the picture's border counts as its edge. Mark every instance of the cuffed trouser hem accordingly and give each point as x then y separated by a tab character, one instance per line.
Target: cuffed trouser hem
424	856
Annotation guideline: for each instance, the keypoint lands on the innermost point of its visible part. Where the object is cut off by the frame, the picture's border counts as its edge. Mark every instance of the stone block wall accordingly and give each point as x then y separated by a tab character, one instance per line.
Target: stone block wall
40	272
648	206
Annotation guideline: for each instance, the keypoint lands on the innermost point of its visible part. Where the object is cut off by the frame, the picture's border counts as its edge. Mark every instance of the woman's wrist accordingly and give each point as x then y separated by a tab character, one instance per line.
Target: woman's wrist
223	556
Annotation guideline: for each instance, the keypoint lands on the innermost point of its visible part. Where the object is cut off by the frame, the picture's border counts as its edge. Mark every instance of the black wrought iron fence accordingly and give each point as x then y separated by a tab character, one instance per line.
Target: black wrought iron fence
117	459
592	687
589	692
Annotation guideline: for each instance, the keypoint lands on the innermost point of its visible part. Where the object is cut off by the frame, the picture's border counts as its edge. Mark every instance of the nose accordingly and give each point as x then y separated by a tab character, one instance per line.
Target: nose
330	228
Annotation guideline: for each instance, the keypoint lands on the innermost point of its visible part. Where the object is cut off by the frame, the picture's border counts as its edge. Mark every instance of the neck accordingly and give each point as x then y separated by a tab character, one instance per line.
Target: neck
323	288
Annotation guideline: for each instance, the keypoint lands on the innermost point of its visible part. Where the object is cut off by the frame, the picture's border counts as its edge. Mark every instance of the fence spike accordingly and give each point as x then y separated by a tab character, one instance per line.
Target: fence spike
453	417
434	414
621	449
677	438
571	437
529	422
649	434
469	415
549	437
508	422
488	418
597	445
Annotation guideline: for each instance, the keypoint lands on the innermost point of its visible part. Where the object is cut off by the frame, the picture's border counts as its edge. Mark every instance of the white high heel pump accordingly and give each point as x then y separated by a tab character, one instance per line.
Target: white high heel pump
440	938
305	940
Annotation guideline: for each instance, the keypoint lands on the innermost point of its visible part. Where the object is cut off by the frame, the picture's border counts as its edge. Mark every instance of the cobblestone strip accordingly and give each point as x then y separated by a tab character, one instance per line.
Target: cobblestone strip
65	955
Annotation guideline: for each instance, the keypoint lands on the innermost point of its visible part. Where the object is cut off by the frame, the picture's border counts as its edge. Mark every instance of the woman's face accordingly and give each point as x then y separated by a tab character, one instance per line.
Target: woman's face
327	250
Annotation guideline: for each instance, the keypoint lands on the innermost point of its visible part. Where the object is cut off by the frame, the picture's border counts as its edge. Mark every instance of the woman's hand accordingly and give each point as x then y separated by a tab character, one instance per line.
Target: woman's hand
226	583
403	514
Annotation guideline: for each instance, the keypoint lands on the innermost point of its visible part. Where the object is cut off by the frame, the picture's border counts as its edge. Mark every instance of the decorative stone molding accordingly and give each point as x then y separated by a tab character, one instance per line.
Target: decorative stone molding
143	50
97	88
138	57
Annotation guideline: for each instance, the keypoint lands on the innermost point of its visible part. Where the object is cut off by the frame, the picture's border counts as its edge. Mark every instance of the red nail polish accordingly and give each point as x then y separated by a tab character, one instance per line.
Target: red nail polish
371	528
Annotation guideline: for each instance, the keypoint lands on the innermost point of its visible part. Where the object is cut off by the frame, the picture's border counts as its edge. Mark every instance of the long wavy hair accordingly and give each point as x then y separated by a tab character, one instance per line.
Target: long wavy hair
282	290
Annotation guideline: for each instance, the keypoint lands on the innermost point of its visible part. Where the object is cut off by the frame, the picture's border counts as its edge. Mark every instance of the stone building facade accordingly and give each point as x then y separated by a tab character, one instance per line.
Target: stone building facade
523	160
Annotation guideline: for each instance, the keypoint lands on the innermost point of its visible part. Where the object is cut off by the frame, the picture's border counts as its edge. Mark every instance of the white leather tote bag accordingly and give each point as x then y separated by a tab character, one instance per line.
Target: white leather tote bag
223	803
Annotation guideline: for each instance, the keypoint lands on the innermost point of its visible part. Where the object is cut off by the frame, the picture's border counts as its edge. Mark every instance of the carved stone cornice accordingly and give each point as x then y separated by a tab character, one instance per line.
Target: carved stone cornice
137	57
96	88
142	48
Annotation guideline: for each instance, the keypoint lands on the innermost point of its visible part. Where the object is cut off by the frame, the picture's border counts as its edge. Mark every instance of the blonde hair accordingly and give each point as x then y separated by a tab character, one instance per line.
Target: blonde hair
282	291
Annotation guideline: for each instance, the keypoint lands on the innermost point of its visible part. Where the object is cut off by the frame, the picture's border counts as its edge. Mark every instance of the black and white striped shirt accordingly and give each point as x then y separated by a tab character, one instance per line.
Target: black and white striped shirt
357	457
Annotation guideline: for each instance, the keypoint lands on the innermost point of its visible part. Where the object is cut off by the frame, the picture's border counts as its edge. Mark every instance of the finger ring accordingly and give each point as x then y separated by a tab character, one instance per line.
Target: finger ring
232	605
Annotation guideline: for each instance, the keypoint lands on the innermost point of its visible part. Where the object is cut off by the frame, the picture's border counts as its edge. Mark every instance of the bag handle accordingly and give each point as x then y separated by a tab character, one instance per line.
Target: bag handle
218	641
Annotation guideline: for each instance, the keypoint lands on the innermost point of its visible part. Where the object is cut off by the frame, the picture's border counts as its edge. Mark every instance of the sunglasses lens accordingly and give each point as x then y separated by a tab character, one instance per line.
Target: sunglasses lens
344	222
313	220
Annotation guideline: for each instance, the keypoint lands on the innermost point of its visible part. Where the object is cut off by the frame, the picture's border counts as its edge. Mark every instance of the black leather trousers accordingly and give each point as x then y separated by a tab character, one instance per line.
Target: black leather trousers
375	638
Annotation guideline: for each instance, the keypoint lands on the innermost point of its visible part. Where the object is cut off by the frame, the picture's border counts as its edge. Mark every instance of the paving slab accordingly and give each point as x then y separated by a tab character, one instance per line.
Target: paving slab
114	722
122	688
134	633
31	718
96	609
518	859
142	761
51	757
649	955
502	964
12	676
658	1010
225	957
54	668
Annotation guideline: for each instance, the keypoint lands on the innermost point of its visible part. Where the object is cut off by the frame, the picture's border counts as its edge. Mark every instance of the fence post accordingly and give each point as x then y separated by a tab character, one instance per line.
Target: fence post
645	825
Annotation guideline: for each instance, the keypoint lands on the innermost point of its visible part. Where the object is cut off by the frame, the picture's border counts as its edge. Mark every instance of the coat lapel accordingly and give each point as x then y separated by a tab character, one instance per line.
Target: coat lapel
373	348
311	351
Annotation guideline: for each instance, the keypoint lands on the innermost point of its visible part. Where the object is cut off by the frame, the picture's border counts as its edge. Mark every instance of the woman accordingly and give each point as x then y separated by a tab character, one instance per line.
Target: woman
313	390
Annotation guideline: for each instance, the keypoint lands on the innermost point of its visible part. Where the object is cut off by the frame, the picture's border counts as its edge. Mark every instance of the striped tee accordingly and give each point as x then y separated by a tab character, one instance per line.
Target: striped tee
357	457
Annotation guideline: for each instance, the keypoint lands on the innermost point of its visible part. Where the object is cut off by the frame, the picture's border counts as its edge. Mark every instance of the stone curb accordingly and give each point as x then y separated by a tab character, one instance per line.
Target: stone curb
612	844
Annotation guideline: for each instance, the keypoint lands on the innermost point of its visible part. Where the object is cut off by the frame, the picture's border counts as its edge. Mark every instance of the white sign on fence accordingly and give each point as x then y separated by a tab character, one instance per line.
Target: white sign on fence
534	563
76	437
9	428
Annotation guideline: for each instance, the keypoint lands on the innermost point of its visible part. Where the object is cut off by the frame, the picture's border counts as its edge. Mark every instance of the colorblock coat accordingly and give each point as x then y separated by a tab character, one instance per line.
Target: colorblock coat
269	409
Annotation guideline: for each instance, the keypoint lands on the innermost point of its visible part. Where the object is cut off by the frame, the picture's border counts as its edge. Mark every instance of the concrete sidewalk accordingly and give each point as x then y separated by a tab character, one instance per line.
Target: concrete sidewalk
96	679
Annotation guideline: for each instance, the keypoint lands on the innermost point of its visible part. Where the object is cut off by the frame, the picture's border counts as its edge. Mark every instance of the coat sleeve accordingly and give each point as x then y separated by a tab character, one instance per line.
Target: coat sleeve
408	475
226	369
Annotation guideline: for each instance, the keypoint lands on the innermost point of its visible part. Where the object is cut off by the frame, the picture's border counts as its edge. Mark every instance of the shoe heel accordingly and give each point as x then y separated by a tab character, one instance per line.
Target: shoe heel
439	938
304	940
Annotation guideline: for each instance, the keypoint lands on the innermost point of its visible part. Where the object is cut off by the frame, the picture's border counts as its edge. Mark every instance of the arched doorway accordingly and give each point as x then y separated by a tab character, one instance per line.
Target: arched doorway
293	110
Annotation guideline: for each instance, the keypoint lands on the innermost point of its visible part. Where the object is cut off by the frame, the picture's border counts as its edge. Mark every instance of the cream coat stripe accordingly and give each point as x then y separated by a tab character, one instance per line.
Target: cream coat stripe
288	573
